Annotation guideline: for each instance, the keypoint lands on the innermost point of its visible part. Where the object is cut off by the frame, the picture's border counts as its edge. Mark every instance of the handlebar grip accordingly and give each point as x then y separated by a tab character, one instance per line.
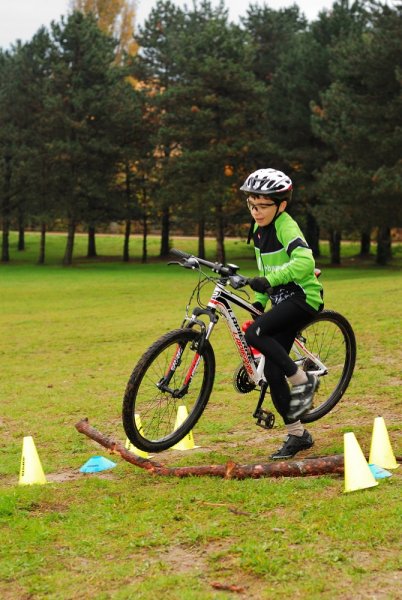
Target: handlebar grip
179	253
222	270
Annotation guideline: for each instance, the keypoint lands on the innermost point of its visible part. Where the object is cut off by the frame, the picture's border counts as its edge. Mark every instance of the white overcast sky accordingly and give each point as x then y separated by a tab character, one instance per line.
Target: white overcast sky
21	19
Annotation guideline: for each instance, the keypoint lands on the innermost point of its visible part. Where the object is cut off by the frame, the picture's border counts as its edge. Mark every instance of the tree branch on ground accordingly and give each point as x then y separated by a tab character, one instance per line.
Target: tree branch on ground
231	470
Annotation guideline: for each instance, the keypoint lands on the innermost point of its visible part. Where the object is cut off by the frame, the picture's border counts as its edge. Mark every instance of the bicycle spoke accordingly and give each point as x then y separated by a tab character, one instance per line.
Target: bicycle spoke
174	374
330	339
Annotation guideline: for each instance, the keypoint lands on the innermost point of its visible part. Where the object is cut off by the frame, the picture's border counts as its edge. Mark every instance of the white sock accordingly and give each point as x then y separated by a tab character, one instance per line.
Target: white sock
296	428
298	378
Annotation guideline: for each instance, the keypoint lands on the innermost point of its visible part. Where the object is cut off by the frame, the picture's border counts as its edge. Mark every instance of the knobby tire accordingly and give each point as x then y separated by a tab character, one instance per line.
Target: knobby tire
155	428
330	336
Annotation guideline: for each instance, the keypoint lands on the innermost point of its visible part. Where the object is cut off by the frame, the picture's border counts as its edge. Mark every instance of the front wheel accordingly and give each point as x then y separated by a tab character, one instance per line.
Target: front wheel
178	370
330	339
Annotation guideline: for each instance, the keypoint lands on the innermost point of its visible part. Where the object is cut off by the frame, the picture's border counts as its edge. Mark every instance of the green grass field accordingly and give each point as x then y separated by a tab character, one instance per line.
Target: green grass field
70	338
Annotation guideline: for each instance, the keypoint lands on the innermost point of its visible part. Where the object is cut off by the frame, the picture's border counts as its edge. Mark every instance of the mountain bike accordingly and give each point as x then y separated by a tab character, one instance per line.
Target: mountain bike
178	369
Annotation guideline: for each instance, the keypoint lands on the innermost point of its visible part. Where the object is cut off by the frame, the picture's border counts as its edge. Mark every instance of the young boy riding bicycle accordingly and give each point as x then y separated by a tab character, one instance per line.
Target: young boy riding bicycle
286	267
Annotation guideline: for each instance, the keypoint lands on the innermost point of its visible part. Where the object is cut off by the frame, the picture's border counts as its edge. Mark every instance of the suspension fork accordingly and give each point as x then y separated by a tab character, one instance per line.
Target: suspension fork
206	332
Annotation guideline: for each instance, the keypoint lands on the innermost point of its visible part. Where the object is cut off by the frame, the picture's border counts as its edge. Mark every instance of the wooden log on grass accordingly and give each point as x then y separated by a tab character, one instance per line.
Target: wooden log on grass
231	470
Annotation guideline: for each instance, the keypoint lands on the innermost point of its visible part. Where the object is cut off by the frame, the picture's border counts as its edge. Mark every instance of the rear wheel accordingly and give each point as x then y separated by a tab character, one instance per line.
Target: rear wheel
178	370
331	340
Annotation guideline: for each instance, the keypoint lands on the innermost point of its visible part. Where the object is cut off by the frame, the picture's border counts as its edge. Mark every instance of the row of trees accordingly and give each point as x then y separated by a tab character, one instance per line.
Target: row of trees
92	130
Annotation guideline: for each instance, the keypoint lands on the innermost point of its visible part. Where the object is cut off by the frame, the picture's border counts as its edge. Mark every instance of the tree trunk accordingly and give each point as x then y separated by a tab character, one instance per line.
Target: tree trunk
313	234
365	243
220	235
165	245
126	246
335	246
6	210
384	252
91	242
5	245
144	238
68	255
21	232
201	237
41	259
127	231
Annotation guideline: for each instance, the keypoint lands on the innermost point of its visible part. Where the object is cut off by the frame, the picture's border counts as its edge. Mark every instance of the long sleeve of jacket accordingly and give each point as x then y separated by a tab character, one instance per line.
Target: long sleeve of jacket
285	259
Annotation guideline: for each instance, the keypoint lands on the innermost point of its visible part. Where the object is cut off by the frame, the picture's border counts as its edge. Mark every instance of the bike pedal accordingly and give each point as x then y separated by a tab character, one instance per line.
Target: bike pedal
265	419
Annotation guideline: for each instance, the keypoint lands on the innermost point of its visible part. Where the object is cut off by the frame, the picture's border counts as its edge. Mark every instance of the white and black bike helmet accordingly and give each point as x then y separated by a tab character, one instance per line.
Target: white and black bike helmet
269	182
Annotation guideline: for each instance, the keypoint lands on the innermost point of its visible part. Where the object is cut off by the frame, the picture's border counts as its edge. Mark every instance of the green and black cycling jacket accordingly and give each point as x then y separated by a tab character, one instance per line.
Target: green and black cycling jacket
285	259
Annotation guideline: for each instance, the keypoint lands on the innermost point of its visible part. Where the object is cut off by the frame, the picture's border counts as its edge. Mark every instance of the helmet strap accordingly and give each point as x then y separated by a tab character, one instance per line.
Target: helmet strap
279	202
250	231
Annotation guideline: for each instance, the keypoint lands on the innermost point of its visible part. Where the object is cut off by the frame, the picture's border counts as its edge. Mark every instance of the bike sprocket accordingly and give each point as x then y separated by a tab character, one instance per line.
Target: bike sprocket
241	381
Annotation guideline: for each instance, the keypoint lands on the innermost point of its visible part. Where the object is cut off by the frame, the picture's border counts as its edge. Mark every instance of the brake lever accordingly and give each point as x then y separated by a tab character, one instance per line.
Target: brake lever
188	263
238	281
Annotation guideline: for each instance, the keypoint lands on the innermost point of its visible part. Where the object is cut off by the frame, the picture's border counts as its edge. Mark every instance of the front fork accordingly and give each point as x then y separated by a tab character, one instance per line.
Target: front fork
206	331
263	418
198	347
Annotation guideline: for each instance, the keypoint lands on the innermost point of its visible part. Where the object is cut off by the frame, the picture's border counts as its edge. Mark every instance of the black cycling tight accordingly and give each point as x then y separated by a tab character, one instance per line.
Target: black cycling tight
273	335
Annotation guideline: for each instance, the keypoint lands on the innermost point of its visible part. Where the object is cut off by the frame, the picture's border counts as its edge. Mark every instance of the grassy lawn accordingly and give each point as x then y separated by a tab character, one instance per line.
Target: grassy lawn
70	338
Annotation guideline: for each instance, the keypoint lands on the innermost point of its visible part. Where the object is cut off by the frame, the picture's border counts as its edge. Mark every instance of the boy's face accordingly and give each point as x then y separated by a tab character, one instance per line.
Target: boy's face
264	209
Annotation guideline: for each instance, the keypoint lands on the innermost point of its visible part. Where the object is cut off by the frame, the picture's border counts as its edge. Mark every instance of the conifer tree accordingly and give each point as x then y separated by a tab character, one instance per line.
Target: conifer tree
210	111
83	80
360	118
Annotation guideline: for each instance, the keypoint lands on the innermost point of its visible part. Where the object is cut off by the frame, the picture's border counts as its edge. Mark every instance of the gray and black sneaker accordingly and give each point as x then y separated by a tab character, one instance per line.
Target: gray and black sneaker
292	445
301	397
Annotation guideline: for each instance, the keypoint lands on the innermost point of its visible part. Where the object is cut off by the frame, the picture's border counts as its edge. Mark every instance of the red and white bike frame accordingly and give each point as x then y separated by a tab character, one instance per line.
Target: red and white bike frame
221	301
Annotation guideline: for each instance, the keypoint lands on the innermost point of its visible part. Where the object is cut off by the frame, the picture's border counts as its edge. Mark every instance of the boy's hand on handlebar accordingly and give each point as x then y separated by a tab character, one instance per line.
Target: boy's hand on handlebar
259	284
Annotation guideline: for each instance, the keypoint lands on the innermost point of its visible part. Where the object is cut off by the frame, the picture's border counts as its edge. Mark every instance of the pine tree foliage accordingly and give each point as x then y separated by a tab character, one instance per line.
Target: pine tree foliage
213	100
360	119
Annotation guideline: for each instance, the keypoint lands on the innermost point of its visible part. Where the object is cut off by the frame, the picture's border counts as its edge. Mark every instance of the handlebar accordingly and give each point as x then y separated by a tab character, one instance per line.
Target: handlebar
190	261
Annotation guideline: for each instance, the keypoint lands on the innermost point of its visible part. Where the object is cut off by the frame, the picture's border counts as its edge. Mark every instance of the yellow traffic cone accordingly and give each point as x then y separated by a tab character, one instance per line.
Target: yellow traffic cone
187	443
358	475
129	446
31	469
381	453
